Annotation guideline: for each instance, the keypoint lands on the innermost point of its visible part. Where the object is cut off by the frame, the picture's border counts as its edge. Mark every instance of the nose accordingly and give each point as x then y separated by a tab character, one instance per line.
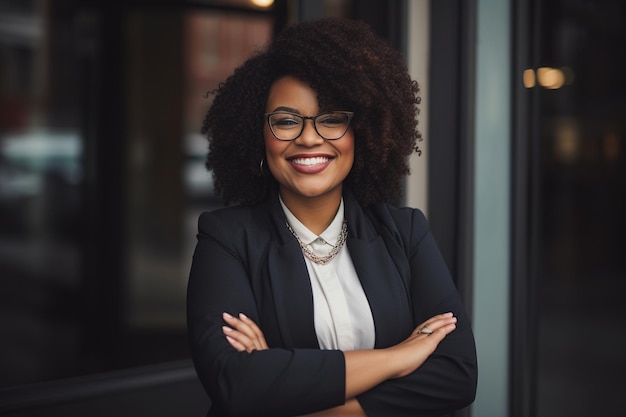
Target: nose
309	136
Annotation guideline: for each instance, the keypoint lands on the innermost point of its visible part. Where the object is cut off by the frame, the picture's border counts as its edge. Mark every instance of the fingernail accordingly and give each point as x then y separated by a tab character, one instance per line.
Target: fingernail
226	329
226	315
242	316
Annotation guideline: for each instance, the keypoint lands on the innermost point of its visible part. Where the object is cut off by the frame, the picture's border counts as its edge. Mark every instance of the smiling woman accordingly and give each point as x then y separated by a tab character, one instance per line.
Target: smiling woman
315	295
310	165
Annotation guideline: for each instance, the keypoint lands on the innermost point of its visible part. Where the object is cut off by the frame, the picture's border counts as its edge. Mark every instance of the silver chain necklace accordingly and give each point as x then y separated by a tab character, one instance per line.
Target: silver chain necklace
322	260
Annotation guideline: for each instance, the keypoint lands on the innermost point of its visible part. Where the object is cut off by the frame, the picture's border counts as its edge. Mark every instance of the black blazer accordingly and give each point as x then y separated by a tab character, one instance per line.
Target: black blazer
247	261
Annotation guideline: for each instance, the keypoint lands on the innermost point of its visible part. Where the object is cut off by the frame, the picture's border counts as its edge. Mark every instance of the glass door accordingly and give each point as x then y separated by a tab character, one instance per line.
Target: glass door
571	142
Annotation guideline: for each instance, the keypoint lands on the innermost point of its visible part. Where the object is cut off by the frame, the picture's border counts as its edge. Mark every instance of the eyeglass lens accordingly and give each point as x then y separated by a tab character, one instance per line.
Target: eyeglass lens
289	126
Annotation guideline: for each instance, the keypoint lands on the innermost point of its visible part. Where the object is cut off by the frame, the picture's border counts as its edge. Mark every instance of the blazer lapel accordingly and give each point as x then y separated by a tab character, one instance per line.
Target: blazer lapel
382	282
291	286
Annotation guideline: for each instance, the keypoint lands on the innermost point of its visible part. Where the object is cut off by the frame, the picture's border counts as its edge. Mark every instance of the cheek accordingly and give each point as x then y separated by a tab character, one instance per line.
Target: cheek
273	149
348	148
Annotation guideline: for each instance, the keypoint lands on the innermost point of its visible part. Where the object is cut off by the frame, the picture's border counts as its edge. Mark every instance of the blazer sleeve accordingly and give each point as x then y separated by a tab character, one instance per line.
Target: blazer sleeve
277	381
447	380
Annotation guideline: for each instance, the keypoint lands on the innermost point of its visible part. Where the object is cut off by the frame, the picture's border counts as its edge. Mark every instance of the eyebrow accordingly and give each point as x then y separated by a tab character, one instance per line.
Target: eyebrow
287	109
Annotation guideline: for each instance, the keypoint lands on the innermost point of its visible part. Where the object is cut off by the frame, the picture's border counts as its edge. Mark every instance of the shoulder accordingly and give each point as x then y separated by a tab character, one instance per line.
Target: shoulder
229	215
404	220
405	225
234	222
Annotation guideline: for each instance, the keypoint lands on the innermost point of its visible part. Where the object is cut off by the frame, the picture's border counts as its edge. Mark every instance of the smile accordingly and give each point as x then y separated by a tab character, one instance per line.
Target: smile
310	161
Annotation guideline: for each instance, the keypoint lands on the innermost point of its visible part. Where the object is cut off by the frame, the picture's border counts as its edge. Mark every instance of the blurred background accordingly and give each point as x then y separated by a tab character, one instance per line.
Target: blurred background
102	179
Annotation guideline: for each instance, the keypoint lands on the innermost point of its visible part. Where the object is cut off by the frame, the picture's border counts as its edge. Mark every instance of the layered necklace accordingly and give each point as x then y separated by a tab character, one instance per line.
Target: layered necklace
322	260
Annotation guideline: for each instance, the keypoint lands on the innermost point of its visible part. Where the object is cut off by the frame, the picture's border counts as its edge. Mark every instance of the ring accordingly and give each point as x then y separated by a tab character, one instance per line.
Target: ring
425	330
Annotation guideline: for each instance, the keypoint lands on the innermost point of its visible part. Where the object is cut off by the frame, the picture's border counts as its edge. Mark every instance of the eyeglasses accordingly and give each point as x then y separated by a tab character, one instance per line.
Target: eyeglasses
289	126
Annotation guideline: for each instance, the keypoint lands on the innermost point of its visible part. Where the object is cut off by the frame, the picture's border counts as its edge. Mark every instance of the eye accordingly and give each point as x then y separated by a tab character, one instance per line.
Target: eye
285	121
332	119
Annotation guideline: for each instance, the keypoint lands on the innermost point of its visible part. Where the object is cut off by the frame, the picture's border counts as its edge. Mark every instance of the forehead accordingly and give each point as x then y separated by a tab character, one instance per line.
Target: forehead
294	94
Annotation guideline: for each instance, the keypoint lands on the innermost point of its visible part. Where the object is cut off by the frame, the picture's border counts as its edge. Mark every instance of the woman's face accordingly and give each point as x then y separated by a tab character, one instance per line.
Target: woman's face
308	166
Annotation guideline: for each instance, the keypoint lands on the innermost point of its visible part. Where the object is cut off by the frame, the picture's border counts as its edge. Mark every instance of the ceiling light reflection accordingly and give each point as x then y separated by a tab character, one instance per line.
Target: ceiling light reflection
551	78
529	78
548	77
262	3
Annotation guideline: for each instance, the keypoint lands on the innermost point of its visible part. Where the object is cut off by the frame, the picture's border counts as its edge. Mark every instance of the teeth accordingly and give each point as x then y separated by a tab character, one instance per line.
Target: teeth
310	161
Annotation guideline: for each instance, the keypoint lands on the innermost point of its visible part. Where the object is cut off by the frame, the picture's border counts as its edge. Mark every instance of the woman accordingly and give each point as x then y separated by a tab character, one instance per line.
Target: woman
315	295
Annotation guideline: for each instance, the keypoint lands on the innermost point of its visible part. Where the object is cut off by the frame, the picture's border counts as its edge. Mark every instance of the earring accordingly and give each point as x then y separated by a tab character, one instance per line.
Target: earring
261	166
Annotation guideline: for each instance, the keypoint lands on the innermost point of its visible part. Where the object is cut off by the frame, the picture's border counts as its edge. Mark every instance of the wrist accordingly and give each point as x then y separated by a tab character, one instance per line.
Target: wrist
393	362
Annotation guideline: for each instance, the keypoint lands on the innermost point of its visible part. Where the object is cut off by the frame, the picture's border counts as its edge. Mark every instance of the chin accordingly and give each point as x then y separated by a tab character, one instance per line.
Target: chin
314	191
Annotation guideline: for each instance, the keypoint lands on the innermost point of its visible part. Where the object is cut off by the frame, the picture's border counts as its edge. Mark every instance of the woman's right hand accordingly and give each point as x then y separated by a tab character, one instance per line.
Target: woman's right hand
412	352
243	334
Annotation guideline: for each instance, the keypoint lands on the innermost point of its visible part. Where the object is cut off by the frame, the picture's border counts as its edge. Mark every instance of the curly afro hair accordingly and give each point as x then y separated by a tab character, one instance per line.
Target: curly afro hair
349	68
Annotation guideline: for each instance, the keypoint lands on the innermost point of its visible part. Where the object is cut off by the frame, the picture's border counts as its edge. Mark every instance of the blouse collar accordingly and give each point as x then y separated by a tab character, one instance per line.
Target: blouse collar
330	235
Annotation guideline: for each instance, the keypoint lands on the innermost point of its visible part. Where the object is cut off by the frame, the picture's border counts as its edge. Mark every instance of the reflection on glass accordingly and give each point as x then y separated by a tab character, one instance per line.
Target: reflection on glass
551	78
58	316
579	198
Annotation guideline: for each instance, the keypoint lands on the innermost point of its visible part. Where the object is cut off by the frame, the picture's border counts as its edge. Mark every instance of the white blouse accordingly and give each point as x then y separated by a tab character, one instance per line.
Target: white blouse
343	319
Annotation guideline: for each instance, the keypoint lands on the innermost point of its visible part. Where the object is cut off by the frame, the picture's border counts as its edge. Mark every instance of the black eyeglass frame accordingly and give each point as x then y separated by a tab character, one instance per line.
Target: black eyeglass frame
313	119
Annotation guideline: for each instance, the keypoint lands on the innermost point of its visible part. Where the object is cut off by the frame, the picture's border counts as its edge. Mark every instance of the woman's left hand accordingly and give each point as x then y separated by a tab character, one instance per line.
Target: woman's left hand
243	334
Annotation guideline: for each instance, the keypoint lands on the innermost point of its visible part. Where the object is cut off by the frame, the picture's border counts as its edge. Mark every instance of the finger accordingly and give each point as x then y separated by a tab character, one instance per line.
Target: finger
243	341
437	326
251	330
436	318
238	346
434	323
259	334
439	317
433	339
248	328
445	330
251	324
239	325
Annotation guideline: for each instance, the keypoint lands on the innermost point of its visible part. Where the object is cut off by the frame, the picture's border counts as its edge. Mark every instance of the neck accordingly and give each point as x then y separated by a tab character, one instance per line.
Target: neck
315	213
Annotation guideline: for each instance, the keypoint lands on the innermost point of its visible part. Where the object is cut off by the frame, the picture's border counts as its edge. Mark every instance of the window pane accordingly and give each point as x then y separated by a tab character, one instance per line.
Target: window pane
580	195
102	178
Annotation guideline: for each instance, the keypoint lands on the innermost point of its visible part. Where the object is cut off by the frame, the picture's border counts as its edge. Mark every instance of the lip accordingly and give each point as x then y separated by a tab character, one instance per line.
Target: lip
310	163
